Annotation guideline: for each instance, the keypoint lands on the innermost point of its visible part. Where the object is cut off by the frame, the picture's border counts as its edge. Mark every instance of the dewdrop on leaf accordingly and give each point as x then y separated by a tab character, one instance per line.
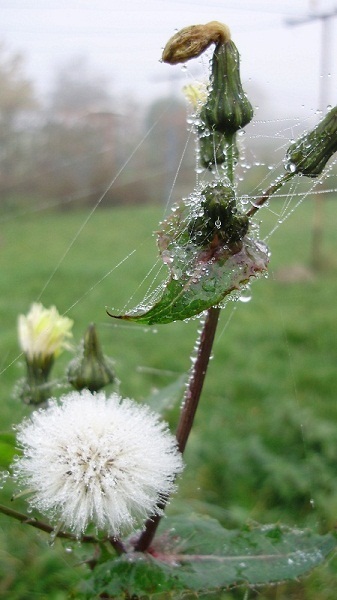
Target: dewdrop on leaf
96	459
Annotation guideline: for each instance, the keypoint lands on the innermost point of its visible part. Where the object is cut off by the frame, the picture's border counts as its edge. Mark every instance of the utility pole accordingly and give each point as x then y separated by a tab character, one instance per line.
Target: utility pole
325	59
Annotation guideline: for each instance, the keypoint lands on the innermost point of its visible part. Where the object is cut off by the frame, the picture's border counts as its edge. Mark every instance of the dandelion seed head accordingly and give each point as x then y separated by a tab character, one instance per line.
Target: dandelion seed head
96	459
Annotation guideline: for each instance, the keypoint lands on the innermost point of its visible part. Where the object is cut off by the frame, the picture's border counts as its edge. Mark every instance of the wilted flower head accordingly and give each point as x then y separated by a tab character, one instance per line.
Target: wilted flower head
192	41
43	332
96	459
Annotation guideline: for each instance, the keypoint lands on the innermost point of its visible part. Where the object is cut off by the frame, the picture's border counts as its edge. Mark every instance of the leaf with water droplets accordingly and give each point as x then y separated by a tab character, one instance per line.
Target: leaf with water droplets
209	254
196	554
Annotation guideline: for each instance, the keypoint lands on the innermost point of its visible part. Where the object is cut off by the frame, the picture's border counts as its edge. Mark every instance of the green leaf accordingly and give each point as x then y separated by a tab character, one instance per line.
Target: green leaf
7	449
197	554
201	274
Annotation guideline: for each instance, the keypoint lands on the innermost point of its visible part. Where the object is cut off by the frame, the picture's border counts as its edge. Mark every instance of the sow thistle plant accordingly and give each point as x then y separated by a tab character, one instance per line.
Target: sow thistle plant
103	468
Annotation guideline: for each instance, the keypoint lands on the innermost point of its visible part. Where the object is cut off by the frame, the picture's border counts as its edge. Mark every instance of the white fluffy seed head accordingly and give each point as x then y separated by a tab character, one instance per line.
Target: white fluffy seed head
93	459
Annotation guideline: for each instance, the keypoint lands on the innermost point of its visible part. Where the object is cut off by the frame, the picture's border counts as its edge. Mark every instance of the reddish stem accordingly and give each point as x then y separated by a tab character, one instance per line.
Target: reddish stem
191	401
197	378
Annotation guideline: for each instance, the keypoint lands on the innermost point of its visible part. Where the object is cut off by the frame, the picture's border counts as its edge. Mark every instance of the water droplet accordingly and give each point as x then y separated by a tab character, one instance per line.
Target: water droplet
3	478
290	167
166	257
177	273
245	298
244	200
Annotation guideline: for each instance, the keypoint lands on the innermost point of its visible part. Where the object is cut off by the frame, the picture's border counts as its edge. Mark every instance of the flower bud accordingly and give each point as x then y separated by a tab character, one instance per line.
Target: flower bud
192	41
91	370
43	334
221	220
310	153
227	108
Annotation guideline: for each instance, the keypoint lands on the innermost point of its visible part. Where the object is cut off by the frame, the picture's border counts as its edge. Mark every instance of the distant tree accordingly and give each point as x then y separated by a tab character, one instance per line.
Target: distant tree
17	99
16	92
166	147
78	90
85	139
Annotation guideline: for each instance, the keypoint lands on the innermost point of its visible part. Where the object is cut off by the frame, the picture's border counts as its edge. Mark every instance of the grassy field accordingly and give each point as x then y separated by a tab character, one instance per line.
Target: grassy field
264	446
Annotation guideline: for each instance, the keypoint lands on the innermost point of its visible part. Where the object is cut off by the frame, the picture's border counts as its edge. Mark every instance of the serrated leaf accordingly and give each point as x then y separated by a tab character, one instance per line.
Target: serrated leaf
138	574
201	276
198	554
211	556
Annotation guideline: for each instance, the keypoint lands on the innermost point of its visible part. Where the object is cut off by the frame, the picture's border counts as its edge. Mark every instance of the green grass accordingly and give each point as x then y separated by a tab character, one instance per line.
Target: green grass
264	441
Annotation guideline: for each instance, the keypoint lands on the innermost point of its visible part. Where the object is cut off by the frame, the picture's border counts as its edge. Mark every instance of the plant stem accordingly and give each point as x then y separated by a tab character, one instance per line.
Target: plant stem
190	405
269	192
86	539
45	526
197	378
231	156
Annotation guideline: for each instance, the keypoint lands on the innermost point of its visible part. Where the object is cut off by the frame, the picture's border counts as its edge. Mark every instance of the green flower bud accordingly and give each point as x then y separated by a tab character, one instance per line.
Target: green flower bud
91	370
227	108
310	153
221	221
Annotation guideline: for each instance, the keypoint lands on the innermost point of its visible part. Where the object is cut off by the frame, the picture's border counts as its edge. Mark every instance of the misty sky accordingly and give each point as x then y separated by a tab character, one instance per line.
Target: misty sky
123	40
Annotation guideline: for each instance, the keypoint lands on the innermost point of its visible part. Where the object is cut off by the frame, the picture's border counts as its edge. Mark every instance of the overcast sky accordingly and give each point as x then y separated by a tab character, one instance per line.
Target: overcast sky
123	40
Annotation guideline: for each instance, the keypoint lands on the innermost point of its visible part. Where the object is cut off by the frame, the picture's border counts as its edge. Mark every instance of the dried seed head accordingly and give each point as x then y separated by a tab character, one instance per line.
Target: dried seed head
192	41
